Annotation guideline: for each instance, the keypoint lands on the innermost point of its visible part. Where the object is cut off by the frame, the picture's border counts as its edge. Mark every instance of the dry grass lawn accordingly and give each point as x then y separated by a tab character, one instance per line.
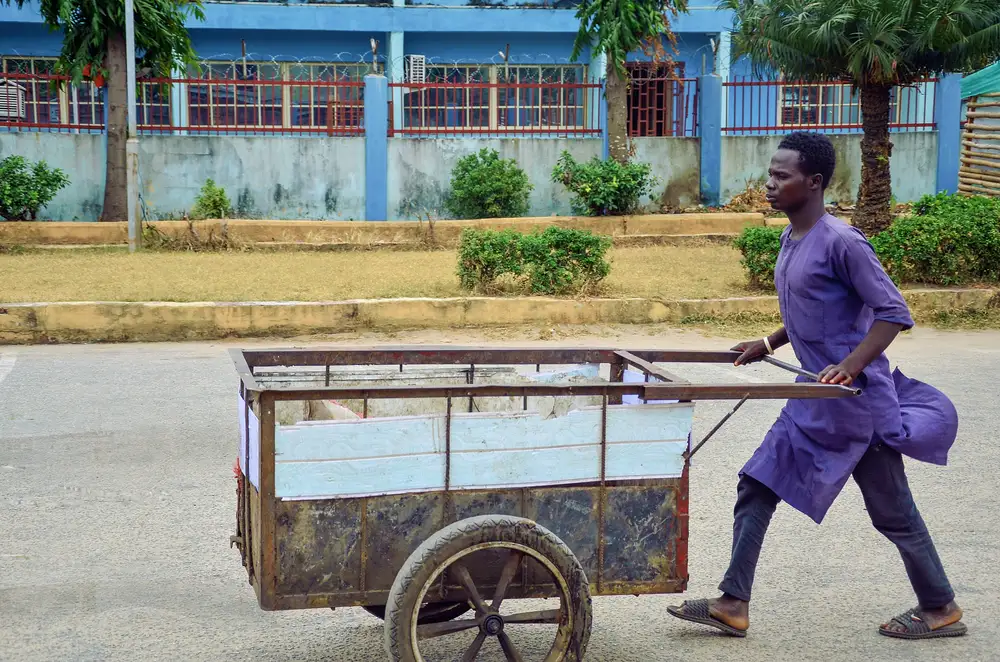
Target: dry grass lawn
114	275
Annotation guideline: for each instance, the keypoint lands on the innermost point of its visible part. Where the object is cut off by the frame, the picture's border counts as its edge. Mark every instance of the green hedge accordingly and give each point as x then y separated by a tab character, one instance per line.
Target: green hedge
949	240
554	261
759	246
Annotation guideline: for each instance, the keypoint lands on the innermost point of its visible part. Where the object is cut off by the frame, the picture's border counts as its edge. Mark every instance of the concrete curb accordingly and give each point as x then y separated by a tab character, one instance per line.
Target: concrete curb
619	241
438	233
163	321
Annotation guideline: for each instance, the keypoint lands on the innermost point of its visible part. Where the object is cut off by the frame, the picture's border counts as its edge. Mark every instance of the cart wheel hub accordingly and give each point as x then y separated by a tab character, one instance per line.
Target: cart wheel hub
493	625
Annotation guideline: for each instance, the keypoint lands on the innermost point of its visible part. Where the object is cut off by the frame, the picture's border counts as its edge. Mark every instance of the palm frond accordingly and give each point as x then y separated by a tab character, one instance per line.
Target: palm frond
875	42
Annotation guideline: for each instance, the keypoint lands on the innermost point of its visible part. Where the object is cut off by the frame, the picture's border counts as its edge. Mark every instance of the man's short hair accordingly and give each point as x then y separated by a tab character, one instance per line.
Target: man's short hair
816	153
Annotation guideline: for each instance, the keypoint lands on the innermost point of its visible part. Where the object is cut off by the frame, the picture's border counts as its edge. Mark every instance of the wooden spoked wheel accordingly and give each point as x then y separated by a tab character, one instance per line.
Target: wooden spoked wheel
516	548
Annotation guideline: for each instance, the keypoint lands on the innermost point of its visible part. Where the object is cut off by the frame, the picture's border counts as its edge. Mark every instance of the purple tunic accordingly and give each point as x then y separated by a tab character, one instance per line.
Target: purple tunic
831	289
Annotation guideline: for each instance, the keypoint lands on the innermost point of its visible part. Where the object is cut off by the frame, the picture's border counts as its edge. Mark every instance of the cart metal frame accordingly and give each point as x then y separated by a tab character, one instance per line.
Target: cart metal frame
262	519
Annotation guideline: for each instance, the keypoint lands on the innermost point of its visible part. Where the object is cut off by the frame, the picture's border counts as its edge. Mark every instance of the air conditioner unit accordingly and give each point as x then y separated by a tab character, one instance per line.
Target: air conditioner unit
11	101
415	69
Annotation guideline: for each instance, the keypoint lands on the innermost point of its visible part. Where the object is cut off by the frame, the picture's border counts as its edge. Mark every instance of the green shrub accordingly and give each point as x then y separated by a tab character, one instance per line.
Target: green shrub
554	261
485	186
946	204
25	189
760	247
212	202
950	240
604	188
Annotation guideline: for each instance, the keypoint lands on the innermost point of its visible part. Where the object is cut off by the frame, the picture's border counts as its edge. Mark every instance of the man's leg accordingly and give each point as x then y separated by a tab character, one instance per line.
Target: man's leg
755	504
881	476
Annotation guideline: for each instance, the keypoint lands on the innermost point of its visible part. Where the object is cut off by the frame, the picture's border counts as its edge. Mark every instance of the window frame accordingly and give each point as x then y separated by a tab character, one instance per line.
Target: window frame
489	109
287	97
842	90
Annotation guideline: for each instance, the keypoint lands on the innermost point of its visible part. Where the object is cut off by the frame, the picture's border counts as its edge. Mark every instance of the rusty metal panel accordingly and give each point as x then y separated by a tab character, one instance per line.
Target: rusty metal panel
396	525
319	546
473	504
323	546
571	514
641	529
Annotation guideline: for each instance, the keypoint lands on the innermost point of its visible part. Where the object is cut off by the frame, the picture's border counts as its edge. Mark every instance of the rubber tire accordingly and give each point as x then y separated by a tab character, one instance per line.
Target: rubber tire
447	542
441	612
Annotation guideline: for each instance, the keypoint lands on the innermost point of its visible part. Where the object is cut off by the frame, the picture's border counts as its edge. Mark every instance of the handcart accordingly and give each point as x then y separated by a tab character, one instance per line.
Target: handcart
438	487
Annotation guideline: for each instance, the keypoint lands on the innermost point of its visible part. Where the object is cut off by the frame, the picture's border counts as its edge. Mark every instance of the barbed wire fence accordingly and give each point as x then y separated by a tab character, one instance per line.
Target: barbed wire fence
333	66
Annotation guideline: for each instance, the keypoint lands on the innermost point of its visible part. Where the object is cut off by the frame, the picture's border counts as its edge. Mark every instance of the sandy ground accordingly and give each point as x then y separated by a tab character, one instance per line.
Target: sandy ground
116	506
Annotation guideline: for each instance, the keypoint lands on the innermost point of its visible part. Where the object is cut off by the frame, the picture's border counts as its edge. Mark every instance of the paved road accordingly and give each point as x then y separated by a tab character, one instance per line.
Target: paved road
116	504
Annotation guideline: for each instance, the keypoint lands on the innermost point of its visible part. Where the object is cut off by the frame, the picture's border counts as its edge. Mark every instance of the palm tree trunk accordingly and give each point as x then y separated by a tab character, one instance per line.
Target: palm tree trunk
115	193
617	92
874	211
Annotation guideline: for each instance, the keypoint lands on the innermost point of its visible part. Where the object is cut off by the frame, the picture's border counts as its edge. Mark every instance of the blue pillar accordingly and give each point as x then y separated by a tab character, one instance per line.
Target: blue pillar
710	138
598	74
948	118
376	147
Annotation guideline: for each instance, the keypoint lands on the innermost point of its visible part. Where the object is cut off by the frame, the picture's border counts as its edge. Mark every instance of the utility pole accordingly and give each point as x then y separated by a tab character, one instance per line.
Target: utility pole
132	138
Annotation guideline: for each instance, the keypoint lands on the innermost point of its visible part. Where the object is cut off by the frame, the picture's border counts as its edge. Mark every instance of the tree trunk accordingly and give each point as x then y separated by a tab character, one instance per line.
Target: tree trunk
617	92
115	192
874	210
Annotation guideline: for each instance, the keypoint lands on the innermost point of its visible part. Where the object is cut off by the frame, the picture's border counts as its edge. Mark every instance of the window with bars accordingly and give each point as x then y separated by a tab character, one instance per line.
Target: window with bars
541	107
337	106
44	102
81	105
838	105
658	101
277	96
498	97
826	105
438	105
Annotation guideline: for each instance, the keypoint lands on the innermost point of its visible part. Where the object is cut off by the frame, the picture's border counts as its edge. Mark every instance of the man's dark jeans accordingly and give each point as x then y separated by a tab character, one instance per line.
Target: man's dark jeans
882	480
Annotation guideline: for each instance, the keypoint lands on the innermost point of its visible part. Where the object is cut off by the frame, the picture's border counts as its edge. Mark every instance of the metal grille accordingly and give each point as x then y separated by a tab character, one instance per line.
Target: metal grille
661	104
755	106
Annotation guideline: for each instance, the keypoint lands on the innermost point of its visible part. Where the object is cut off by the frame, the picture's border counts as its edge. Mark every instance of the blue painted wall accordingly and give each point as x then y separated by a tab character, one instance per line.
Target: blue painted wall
525	47
372	20
28	39
283	45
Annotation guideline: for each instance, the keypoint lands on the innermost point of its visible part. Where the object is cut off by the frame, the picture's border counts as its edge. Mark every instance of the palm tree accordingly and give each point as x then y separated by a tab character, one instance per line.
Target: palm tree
617	28
94	47
875	45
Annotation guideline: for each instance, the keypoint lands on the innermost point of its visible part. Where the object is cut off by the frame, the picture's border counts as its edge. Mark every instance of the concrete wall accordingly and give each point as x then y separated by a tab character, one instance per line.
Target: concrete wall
265	177
677	162
277	178
420	171
914	164
81	156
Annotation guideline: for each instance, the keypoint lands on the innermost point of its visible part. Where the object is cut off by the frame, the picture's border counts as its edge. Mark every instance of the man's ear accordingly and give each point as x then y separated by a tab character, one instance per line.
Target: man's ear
816	182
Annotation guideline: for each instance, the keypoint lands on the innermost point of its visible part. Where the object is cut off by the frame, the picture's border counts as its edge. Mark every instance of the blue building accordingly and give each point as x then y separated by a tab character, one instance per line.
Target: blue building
471	71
